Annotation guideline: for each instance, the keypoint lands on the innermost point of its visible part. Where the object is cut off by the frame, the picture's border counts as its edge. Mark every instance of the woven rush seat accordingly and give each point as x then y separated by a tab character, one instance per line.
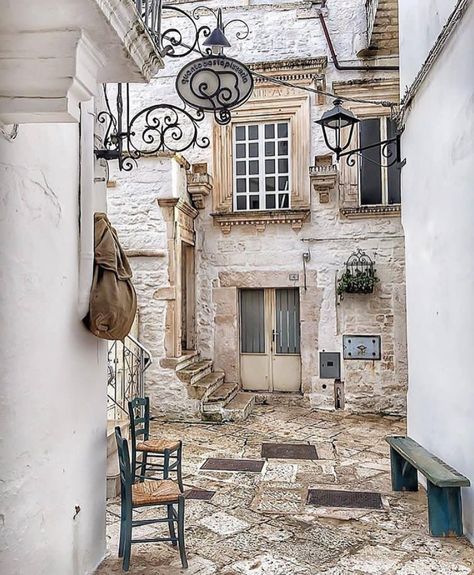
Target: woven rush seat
157	445
153	492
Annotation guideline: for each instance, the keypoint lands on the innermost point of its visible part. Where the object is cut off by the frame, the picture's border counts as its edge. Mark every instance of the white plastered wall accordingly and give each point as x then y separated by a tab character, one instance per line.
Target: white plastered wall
52	392
438	143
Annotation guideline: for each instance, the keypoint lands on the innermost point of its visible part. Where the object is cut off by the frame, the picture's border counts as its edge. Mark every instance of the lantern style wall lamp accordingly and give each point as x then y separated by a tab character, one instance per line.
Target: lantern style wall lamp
212	83
338	126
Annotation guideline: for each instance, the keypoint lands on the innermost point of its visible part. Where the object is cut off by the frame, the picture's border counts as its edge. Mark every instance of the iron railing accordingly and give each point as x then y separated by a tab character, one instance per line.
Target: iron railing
127	364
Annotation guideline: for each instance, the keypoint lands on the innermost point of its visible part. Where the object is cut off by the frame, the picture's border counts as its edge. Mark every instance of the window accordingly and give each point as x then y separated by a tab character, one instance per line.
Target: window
261	178
377	185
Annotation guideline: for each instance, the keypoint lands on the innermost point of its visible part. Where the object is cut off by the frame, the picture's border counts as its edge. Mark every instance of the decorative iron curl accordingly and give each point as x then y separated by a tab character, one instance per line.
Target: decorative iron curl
200	11
165	127
172	39
389	150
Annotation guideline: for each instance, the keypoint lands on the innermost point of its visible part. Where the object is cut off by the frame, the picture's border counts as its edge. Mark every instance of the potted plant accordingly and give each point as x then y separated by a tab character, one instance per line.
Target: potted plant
359	275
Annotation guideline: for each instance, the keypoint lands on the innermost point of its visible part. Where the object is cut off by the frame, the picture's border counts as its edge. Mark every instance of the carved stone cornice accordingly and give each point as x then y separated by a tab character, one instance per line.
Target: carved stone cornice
372	211
294	69
260	219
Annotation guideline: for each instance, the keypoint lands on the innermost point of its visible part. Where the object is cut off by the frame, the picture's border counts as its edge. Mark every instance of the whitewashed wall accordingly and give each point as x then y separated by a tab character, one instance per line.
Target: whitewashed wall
52	392
278	31
438	219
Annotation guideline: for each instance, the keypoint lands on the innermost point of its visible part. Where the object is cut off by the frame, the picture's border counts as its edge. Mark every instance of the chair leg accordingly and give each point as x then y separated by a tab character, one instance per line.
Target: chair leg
143	466
179	472
127	543
171	525
166	463
122	528
182	549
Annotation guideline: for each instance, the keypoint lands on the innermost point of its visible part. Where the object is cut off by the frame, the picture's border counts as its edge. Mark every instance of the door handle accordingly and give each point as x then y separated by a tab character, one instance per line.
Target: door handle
275	334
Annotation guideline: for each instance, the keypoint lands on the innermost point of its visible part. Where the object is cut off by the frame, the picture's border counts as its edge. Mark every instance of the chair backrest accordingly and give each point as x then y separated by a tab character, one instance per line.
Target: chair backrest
139	413
124	465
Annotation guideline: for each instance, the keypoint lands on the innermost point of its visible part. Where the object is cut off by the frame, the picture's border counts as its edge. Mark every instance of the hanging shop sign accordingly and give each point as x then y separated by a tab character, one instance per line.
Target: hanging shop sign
215	84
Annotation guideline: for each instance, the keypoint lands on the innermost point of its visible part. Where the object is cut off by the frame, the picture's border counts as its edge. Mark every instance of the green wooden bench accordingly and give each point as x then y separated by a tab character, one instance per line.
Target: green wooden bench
444	483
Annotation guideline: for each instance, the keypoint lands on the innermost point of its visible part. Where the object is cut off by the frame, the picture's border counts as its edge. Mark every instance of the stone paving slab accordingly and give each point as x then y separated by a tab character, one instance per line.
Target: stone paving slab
259	524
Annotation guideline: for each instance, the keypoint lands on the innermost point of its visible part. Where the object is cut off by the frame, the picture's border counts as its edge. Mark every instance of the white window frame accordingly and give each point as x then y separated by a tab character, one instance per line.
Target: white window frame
261	159
383	122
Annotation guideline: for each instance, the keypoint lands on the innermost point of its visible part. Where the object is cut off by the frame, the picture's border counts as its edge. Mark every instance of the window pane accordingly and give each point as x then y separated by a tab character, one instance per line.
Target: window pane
254	202
370	173
269	131
283	166
253	185
240	133
283	148
253	132
394	196
253	150
269	166
240	150
241	186
252	313
253	167
269	148
240	167
270	184
270	202
283	130
242	203
283	183
283	201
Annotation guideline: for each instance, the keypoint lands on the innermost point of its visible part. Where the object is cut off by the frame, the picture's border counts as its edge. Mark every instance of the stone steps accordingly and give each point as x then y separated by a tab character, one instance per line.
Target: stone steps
219	400
220	397
240	407
203	387
195	371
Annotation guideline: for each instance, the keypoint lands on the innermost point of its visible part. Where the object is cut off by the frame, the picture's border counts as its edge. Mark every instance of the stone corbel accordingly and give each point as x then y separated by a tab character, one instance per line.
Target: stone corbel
199	184
323	177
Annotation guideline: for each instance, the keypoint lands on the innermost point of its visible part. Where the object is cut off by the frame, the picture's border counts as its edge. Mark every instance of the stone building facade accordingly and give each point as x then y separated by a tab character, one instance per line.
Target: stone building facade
216	280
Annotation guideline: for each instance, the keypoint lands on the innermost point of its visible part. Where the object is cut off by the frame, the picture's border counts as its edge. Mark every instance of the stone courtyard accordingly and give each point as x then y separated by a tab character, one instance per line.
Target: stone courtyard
260	524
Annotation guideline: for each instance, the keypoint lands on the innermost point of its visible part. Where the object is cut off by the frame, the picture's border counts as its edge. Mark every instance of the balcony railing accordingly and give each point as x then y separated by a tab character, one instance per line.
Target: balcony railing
150	11
127	363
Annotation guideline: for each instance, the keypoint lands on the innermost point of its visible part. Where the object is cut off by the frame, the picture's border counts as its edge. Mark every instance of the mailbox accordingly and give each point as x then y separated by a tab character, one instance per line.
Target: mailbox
329	365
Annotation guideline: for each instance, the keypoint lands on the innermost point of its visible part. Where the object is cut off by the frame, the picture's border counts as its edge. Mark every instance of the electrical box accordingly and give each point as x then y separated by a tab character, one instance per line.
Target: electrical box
361	346
329	365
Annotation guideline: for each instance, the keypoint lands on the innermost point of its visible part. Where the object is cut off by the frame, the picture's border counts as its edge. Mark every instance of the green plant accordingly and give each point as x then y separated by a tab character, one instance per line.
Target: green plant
356	281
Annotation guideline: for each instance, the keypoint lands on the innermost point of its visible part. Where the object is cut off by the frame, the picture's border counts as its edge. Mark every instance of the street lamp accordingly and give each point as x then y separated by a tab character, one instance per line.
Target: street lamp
217	40
338	128
336	120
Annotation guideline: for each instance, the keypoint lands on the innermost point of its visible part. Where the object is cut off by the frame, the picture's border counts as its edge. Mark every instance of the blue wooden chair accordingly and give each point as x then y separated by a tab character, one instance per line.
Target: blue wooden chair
146	494
166	454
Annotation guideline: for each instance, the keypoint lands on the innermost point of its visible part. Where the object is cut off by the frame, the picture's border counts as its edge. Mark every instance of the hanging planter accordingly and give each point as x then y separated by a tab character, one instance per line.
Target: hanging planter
359	275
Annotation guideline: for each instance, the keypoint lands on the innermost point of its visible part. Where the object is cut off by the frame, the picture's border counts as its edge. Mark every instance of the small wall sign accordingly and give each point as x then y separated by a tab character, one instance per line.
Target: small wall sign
361	347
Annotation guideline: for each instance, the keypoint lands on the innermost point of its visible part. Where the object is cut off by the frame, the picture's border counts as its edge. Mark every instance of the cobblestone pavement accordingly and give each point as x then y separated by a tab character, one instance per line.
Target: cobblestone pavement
259	523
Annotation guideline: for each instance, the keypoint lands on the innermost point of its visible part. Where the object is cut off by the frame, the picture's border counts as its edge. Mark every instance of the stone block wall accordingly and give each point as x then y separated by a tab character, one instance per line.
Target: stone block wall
252	253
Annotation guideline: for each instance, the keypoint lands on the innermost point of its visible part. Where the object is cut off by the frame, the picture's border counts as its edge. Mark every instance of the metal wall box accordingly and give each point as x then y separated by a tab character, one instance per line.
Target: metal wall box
361	346
329	365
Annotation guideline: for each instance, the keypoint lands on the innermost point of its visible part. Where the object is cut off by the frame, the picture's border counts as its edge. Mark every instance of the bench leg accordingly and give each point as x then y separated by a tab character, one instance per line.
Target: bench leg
404	475
444	511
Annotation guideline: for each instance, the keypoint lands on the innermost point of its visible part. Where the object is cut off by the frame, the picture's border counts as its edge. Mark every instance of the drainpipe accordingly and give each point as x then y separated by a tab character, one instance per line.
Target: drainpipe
334	56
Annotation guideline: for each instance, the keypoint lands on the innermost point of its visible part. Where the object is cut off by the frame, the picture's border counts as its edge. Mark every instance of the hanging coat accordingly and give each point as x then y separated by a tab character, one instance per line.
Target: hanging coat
113	301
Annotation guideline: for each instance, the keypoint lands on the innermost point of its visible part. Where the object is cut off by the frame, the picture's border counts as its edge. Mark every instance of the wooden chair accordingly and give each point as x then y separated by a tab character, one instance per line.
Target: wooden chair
168	452
147	494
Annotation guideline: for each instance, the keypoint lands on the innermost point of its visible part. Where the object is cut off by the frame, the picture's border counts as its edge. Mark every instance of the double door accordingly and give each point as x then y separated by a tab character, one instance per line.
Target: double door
270	357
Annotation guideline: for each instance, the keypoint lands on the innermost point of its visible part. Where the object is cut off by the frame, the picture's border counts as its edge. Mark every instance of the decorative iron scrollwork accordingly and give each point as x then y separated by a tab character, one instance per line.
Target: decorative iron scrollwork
389	151
157	128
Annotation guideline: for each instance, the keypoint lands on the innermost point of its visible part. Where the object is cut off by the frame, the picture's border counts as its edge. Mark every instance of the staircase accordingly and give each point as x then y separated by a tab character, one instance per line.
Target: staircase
219	401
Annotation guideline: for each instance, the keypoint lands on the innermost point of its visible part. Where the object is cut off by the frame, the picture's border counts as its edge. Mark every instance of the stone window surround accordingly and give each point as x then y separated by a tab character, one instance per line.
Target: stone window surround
269	104
377	89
